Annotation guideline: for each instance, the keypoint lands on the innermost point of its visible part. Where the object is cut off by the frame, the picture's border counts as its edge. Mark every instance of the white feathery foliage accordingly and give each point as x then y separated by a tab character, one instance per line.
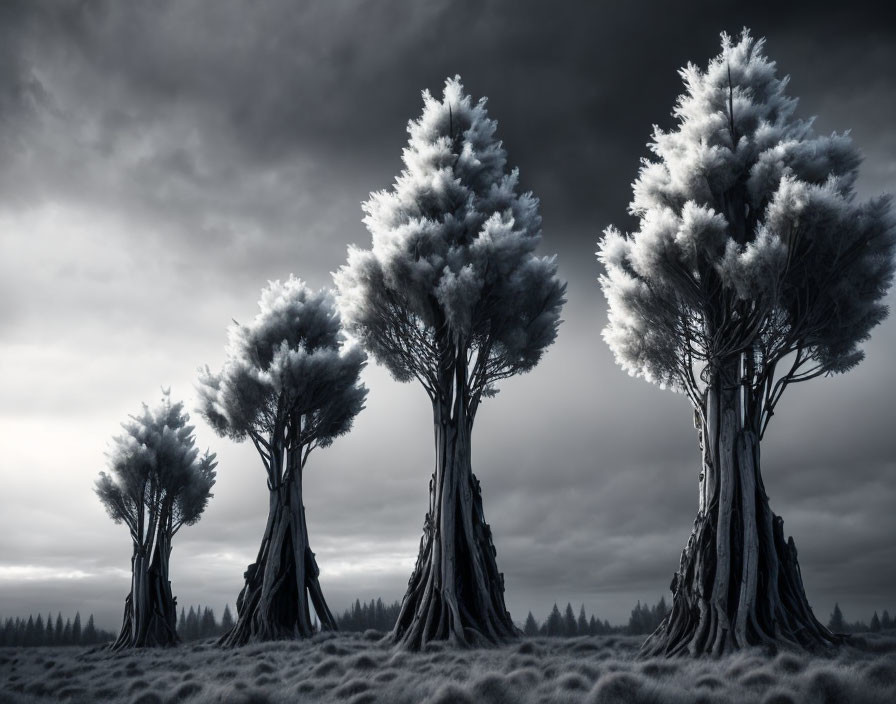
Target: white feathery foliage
155	466
452	254
750	239
290	362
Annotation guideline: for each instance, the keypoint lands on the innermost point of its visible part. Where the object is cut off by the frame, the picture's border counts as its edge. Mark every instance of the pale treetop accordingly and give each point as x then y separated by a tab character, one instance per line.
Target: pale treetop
750	238
452	260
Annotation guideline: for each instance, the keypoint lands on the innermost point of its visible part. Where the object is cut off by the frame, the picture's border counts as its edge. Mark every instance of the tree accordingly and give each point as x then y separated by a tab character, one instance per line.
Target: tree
531	626
290	385
49	639
660	611
451	294
40	631
76	629
639	620
874	626
89	637
836	624
553	626
885	621
191	630
569	622
157	484
754	267
208	626
226	619
582	627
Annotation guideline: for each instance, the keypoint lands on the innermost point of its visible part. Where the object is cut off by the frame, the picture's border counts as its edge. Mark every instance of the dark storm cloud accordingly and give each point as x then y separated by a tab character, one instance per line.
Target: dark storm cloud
161	161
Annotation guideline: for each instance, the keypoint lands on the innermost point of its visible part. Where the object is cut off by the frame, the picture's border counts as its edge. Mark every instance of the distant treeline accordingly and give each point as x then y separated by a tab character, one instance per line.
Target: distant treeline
838	624
33	631
200	623
644	619
375	615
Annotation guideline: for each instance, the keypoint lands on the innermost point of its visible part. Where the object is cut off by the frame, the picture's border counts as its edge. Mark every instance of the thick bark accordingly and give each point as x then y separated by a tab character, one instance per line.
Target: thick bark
150	610
456	592
274	602
738	582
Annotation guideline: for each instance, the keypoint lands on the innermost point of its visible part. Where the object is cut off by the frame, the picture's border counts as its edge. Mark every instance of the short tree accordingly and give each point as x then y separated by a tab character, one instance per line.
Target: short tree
40	631
157	483
874	626
553	625
226	619
582	628
570	628
836	624
290	385
531	626
452	295
90	634
49	640
754	267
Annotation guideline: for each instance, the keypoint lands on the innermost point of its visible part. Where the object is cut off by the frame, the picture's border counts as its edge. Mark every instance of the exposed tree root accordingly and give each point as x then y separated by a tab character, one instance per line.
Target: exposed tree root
274	602
456	592
738	582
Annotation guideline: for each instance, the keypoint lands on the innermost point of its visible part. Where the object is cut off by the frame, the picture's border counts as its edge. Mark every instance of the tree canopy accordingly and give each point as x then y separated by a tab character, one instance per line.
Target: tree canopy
751	240
156	477
288	378
452	261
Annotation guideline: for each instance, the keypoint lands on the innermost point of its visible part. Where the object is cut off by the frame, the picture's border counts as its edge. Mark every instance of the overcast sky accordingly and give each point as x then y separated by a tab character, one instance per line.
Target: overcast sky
160	162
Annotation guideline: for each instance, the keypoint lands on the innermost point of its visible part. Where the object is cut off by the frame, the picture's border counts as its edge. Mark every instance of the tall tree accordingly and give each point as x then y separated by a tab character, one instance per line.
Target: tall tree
582	623
157	484
182	624
76	629
531	626
553	625
452	295
226	619
89	637
570	629
754	267
290	385
49	640
30	637
40	631
594	626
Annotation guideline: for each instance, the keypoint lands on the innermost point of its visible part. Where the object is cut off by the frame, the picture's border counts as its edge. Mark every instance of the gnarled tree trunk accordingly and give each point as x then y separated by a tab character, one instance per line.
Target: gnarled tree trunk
150	611
738	582
274	603
456	592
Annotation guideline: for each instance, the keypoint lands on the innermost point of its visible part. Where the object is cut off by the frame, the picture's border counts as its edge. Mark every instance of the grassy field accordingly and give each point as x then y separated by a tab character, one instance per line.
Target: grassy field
360	669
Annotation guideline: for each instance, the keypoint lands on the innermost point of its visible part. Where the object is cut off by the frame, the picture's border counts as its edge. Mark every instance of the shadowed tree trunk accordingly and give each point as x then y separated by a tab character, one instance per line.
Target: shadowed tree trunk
274	602
456	591
150	612
739	582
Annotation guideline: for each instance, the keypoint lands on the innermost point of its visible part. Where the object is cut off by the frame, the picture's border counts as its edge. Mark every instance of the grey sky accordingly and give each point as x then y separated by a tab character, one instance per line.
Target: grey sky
160	162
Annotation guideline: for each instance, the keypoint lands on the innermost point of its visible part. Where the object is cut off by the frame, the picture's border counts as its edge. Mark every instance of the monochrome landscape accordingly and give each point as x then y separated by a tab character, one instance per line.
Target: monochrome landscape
607	325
